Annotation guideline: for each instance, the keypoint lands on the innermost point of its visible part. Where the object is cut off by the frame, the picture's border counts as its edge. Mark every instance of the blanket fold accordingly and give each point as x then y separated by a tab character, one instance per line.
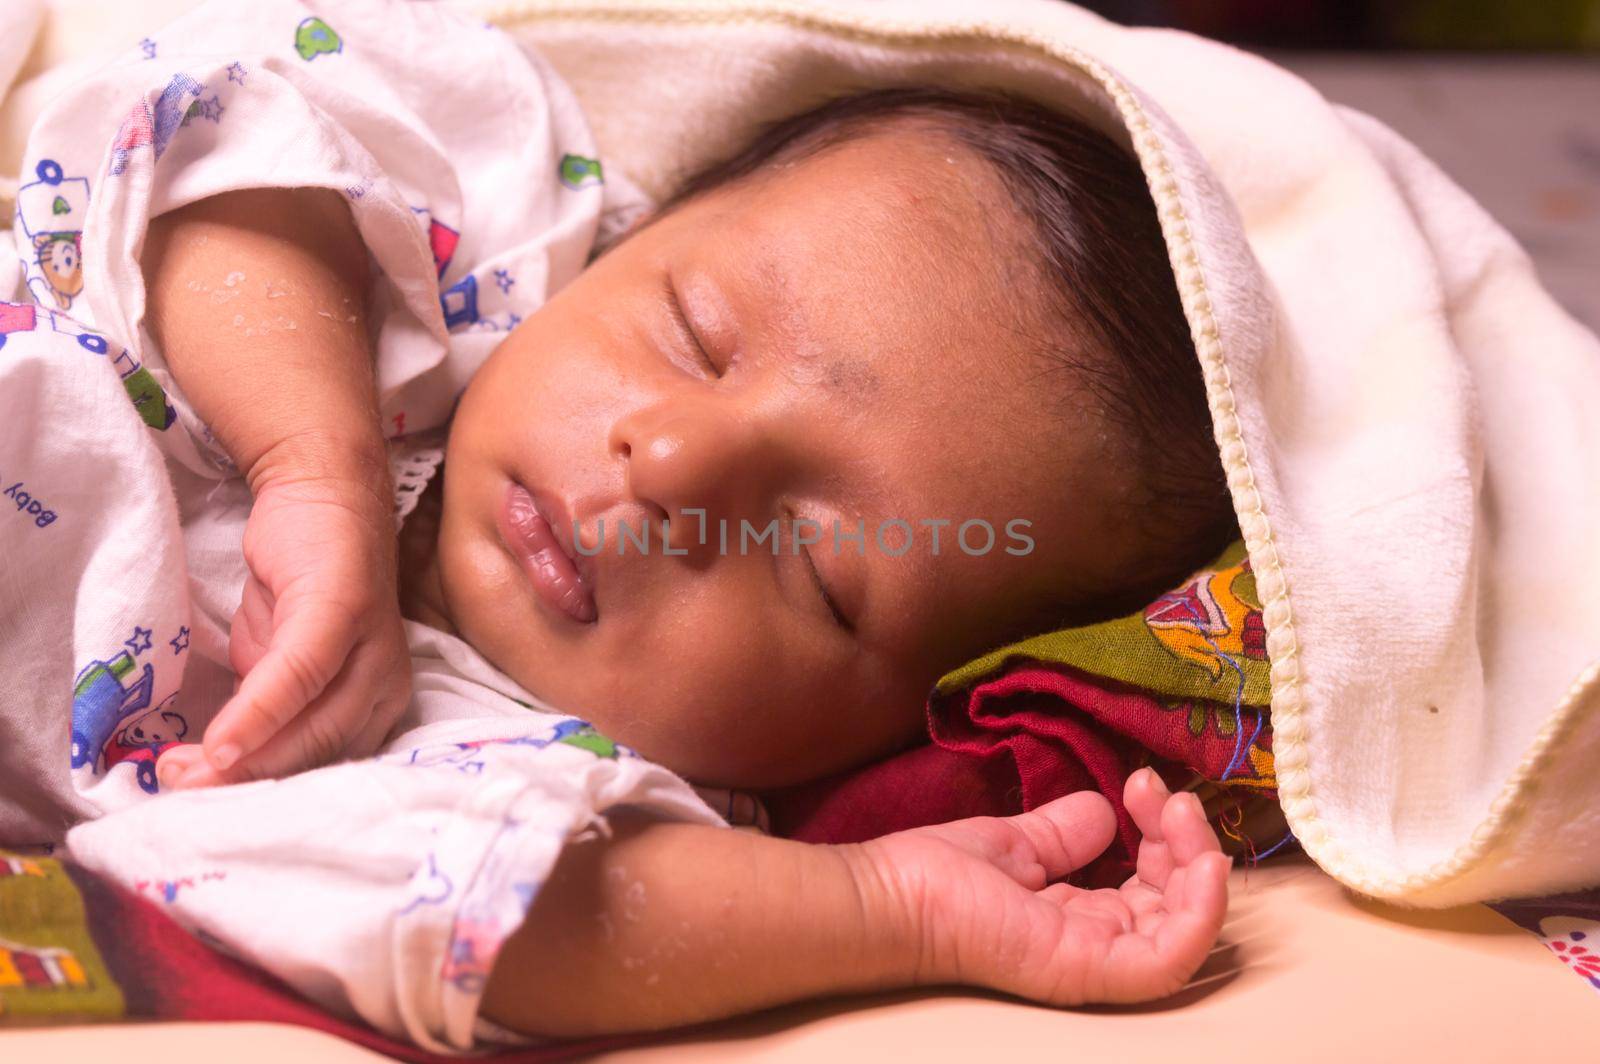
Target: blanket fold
1180	685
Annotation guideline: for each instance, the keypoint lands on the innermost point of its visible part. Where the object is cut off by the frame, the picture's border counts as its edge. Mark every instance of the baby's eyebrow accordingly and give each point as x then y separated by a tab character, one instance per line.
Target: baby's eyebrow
850	376
847	374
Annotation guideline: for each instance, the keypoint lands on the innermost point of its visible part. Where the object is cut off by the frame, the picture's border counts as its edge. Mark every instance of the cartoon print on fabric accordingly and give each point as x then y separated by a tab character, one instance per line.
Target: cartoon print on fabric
104	693
429	886
137	131
179	103
442	239
210	110
572	732
143	739
582	735
493	906
112	719
314	37
51	209
578	171
460	303
467	757
17	318
148	397
169	889
172	109
473	945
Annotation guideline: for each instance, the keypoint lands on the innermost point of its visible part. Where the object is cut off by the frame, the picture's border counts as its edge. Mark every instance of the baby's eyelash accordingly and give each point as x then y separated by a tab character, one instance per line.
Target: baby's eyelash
682	321
833	607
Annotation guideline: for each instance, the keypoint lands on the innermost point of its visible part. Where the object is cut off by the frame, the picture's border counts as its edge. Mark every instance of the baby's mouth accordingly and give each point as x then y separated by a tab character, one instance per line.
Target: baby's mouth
533	531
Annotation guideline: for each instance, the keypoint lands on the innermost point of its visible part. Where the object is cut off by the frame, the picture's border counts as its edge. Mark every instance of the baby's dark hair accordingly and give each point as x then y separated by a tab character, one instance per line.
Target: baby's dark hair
1104	263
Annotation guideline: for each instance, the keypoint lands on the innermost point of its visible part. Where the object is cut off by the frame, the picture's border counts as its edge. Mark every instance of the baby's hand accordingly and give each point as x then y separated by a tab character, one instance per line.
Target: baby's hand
978	900
317	639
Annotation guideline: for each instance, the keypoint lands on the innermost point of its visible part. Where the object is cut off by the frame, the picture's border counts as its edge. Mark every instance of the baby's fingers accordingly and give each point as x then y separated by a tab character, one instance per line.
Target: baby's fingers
350	717
1142	966
1145	795
307	651
1187	832
1195	919
176	762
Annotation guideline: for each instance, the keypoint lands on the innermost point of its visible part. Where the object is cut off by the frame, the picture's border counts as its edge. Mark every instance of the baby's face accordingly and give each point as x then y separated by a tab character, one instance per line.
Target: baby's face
866	359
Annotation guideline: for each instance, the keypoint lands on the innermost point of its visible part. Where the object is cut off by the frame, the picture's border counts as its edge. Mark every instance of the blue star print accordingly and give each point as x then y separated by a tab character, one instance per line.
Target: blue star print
180	642
504	279
140	641
149	48
237	72
211	109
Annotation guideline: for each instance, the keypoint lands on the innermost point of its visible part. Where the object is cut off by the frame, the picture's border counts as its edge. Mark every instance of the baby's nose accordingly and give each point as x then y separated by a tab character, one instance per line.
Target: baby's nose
696	466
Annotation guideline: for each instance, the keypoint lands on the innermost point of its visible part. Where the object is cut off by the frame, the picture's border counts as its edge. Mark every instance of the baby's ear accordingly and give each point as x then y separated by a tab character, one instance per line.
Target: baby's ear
180	727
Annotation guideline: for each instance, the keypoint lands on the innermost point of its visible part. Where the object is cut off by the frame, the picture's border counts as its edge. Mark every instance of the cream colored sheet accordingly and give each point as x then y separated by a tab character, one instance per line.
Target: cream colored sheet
1304	973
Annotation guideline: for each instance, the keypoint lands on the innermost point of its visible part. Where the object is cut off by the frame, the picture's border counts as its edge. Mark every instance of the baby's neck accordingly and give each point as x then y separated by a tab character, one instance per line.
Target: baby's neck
421	591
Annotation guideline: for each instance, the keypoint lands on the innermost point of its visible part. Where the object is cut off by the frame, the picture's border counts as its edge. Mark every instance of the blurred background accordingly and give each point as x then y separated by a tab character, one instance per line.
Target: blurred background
1503	94
1543	25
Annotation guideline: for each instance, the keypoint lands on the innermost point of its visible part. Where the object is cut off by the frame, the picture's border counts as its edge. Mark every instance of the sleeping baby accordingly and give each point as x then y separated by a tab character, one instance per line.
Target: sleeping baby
710	490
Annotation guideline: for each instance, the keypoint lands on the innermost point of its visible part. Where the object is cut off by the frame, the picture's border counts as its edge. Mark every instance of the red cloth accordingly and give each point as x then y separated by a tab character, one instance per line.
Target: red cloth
1023	737
165	973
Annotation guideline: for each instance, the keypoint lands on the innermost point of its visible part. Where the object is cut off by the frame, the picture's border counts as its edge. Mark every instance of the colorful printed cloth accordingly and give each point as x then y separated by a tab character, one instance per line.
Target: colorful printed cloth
1182	684
1568	925
75	948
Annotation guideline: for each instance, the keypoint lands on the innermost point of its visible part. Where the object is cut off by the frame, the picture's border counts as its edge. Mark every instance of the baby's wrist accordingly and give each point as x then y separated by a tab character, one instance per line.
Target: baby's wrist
346	459
893	941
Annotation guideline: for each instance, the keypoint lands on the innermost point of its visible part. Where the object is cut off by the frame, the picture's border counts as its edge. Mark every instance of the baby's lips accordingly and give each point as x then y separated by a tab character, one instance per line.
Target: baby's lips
529	528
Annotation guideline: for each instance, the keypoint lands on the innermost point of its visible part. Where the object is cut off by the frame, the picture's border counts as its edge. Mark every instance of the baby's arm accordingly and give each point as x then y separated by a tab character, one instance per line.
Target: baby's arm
257	301
669	924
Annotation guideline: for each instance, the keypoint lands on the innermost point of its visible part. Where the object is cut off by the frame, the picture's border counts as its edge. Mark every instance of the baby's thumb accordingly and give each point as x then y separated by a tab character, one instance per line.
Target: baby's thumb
1069	832
301	661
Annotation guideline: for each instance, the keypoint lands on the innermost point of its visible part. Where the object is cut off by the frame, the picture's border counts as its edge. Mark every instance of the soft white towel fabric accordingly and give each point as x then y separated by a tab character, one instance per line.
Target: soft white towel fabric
1407	419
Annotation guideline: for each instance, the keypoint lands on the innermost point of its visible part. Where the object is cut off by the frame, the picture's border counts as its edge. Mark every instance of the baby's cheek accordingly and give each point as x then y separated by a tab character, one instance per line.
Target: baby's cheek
721	718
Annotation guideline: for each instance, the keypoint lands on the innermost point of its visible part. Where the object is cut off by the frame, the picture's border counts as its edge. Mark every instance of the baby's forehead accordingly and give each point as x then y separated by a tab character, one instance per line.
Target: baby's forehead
905	172
885	242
